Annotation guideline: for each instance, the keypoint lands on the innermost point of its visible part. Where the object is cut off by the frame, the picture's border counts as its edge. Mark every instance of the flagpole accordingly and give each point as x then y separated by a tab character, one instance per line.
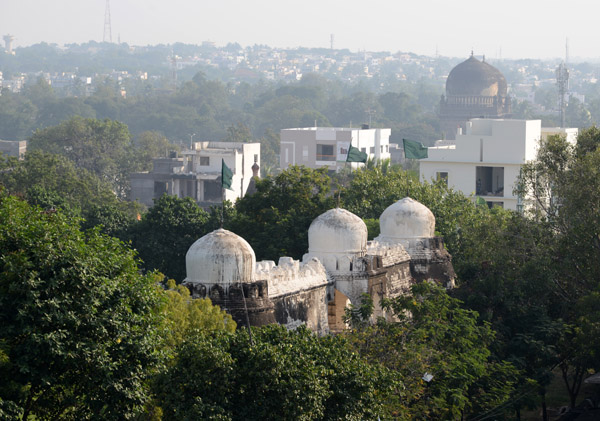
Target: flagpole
222	204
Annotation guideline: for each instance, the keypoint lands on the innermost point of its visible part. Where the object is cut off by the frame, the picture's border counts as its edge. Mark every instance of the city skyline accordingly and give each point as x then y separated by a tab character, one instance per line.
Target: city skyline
515	30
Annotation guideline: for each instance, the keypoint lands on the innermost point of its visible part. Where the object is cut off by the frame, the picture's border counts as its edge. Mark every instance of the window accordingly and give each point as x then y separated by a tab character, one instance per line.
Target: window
325	153
204	161
372	149
489	181
442	175
305	153
363	150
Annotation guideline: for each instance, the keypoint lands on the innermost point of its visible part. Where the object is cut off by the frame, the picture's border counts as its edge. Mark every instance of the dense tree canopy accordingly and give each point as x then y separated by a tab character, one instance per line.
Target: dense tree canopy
275	219
279	375
53	182
442	354
79	326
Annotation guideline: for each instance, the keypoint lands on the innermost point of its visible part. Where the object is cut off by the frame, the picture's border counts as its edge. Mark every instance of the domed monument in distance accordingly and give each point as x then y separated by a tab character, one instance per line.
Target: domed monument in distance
474	89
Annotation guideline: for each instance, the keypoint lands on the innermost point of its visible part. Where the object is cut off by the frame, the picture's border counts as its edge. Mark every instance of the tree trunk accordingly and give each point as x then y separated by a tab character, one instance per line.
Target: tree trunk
544	409
574	387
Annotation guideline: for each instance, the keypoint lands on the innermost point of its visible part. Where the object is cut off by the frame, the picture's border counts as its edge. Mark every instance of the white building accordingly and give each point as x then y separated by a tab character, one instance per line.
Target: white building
317	147
197	173
485	161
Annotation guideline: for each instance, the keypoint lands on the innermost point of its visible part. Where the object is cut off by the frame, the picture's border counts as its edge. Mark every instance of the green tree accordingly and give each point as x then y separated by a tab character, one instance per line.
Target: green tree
441	353
79	326
186	316
275	219
147	146
166	232
99	146
53	181
280	375
564	188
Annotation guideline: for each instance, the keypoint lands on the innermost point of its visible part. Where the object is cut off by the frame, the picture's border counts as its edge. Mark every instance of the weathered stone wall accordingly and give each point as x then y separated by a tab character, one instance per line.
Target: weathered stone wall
254	302
308	306
299	292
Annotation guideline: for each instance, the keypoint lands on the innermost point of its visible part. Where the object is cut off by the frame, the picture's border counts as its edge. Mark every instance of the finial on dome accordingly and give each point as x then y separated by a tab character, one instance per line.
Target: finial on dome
471	52
483	58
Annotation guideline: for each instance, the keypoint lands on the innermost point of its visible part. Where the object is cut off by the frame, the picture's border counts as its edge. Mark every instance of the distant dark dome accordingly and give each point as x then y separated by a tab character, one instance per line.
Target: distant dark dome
475	78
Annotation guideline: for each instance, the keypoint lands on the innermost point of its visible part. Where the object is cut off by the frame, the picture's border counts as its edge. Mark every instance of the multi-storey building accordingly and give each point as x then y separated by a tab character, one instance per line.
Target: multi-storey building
197	173
317	147
486	160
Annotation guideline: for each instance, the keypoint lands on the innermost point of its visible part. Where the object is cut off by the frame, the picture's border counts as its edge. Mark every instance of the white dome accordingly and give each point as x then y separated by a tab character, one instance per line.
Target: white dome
220	257
406	219
337	231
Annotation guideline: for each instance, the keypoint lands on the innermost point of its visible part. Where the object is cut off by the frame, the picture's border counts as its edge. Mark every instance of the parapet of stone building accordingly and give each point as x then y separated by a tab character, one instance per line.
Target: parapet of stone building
291	276
339	267
299	292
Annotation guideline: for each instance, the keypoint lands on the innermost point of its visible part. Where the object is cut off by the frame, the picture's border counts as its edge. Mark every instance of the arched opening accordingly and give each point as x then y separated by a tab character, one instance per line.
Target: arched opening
335	311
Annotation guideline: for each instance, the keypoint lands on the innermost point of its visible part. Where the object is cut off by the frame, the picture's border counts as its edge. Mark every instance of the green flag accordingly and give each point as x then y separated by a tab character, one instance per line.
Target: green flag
414	150
354	155
226	175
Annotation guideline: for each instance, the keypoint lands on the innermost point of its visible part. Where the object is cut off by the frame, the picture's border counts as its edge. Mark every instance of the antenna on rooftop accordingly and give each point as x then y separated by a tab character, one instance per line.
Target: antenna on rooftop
567	51
107	37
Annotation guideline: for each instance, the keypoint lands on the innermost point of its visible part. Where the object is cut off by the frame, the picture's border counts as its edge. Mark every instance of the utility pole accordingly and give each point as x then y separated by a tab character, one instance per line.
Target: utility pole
107	37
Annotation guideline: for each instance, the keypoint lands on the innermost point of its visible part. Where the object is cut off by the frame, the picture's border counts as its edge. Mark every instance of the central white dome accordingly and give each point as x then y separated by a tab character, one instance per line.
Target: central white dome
337	231
220	257
406	219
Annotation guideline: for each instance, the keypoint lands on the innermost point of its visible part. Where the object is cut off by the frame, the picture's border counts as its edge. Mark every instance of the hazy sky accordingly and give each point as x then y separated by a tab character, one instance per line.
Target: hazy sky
507	28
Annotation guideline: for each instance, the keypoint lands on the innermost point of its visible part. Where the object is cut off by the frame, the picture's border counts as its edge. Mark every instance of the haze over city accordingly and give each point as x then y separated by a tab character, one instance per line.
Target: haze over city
508	29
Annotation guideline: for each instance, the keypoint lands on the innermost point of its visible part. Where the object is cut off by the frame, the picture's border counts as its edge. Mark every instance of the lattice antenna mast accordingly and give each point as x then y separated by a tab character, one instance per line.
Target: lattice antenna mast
562	82
107	29
331	38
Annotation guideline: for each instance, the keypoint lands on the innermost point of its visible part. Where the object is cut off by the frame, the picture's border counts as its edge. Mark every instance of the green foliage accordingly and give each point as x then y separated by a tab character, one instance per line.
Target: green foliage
186	316
53	182
166	232
282	375
372	227
563	184
372	190
79	326
100	147
275	219
434	335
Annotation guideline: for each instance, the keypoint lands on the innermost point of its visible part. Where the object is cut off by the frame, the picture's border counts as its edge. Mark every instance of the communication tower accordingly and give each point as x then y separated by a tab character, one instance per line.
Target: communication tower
562	82
107	30
173	60
331	38
8	39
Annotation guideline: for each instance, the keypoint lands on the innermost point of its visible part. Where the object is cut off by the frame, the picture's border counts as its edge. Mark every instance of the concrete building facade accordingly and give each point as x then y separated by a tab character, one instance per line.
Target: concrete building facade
196	173
317	147
16	148
486	160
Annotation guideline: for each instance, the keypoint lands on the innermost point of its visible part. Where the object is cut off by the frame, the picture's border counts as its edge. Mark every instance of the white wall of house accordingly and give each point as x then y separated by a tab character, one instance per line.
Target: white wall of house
317	147
498	146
